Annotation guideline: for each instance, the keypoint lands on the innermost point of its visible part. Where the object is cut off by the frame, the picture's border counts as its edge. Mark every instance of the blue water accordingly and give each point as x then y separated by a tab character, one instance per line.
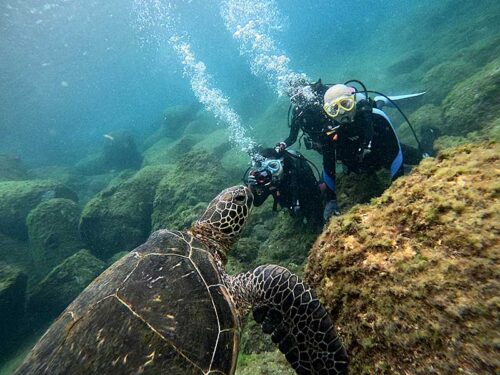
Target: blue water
72	71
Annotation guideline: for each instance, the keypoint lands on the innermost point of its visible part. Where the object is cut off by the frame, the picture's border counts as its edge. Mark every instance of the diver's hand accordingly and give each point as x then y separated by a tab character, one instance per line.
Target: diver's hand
280	147
251	181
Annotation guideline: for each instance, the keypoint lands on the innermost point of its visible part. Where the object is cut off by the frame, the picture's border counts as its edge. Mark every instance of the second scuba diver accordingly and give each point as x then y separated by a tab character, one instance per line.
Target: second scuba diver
290	180
343	124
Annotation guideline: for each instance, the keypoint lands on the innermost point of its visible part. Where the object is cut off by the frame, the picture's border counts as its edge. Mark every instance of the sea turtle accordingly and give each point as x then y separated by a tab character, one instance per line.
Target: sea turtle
168	307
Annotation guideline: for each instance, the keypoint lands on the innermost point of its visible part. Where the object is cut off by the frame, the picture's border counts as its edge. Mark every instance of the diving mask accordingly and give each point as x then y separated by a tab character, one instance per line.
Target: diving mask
267	171
340	106
274	166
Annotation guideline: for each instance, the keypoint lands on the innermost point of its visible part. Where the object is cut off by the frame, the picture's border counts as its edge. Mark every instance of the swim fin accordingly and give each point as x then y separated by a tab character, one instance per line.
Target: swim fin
383	101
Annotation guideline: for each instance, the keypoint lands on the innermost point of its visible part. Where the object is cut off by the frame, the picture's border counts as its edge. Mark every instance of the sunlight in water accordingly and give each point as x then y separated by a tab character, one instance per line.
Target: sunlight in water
155	19
252	23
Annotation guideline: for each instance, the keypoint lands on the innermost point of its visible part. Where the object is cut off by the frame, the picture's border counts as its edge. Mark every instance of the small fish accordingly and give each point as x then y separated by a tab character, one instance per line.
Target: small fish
110	137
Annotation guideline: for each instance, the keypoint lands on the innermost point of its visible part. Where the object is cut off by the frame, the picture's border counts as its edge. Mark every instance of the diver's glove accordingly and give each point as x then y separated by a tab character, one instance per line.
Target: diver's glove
280	147
250	180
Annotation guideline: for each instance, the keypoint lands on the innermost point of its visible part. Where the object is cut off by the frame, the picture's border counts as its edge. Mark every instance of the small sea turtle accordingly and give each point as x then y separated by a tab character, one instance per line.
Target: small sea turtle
169	308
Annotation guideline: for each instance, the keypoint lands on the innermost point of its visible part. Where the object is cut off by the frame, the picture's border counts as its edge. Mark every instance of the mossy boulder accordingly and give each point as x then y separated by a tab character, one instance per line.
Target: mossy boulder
412	279
441	78
12	300
354	188
18	198
166	151
49	297
15	252
53	233
119	152
473	103
407	64
157	153
119	218
174	122
12	169
428	115
288	243
204	123
176	119
184	193
246	250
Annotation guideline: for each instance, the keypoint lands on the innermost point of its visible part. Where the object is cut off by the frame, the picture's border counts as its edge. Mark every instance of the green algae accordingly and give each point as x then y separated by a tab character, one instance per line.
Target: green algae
53	233
119	218
13	284
473	102
411	278
50	296
184	193
266	363
18	198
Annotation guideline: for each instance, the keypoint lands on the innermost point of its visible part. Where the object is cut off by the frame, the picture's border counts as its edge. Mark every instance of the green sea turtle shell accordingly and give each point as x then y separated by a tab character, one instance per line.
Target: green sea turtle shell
162	309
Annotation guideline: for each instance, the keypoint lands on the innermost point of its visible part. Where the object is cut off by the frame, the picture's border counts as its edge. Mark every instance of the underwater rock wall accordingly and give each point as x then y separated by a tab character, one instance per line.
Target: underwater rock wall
49	297
412	279
53	233
18	198
119	218
12	300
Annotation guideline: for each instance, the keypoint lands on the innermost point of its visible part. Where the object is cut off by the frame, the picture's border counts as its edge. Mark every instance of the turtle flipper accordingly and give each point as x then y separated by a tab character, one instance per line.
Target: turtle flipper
289	311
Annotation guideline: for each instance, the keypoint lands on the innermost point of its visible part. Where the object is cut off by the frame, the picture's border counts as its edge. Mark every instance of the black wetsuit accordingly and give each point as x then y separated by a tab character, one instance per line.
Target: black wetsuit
298	191
367	144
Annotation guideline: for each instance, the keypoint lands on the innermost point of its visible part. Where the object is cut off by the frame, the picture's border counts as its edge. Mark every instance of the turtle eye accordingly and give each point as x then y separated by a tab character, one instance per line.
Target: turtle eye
240	198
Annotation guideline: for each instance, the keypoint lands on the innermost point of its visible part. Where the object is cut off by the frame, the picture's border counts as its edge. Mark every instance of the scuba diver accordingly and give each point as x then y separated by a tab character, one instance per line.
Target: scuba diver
287	177
346	125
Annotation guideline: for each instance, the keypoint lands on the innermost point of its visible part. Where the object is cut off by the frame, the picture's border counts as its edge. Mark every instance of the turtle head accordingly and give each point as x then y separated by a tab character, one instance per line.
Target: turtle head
224	218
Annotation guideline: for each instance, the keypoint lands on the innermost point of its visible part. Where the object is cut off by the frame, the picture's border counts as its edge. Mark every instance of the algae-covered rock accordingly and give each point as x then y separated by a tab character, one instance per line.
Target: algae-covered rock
119	152
441	78
473	103
18	198
407	64
12	169
246	250
428	115
15	252
166	151
204	123
268	363
176	119
86	185
183	194
53	232
119	218
413	279
354	189
12	297
288	243
63	284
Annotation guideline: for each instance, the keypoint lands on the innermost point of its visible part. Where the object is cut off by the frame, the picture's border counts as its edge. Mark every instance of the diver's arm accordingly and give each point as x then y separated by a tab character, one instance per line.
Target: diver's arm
294	131
259	195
